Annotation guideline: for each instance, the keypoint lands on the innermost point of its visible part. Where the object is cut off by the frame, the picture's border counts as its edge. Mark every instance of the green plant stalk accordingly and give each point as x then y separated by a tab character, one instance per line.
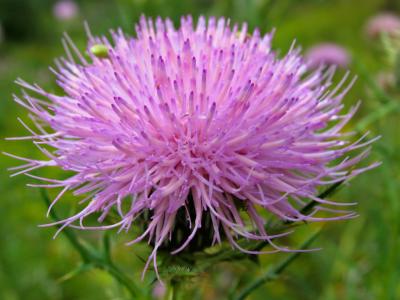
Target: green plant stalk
330	190
91	258
275	271
228	255
172	290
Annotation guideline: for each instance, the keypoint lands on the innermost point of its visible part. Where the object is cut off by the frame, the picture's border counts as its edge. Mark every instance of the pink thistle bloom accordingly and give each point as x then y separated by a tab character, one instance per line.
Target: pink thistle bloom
65	10
382	23
198	129
328	54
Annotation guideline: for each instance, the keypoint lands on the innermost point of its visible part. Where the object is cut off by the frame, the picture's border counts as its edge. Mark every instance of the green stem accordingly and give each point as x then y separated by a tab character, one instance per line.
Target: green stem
92	258
71	237
274	272
120	277
172	290
305	210
228	255
330	190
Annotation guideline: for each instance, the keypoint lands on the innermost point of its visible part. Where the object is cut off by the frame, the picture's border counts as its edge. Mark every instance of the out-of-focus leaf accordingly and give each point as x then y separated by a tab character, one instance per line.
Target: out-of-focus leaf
80	269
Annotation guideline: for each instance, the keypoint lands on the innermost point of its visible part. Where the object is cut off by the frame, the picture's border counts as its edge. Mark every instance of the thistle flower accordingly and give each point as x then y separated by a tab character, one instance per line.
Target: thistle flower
387	23
329	54
65	10
200	130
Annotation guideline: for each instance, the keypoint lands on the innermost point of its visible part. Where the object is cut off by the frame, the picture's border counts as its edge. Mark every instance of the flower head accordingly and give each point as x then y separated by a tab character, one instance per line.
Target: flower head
382	23
201	129
329	54
65	9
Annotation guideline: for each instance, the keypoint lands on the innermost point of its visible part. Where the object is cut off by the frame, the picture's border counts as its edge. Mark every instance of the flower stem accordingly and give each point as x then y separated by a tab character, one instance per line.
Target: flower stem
274	272
172	290
92	258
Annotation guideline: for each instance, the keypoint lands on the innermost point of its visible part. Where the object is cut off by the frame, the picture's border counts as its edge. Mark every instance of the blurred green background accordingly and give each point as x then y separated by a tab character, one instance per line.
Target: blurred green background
360	258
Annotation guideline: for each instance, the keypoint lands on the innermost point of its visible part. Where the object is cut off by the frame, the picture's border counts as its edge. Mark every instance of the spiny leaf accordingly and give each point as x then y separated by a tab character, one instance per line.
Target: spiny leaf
175	270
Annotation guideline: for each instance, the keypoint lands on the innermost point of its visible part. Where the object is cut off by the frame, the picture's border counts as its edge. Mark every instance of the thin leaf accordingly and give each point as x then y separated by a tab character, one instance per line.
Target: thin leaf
80	269
107	247
329	191
92	257
69	234
228	254
275	271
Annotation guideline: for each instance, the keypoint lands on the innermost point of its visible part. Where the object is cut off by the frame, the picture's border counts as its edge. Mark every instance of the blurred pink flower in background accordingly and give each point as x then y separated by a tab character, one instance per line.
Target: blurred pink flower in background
159	290
65	10
382	23
329	54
